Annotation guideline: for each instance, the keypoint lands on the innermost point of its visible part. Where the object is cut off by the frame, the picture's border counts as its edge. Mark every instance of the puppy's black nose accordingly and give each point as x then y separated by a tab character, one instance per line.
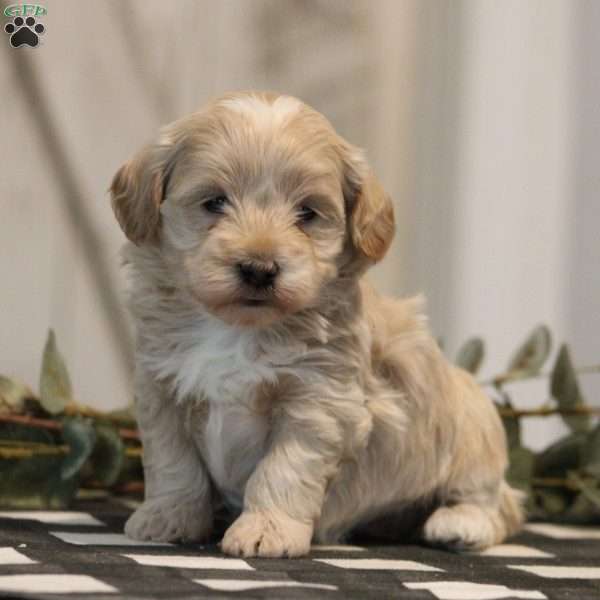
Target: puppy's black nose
258	274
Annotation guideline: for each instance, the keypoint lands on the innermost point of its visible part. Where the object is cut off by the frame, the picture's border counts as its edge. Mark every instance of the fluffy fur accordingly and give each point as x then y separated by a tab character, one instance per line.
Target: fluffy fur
311	406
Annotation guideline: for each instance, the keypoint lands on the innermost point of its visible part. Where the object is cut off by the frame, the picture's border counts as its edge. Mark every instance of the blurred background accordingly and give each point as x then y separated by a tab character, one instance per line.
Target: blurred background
482	119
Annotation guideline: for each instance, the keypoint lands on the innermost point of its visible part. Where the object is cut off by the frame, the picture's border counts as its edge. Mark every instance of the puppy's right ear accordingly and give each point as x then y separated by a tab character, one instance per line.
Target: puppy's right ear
137	191
371	212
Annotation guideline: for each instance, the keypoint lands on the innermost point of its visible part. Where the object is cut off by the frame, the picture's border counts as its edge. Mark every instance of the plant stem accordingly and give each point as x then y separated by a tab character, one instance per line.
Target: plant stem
546	412
81	410
31	421
131	487
126	434
555	482
21	449
512	376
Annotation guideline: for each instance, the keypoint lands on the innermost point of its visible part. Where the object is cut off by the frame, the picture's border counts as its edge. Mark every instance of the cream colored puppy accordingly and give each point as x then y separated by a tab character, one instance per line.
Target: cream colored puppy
269	375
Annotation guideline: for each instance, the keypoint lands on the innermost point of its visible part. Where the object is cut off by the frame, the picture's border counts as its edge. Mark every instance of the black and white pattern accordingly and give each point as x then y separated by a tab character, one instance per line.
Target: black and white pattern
84	554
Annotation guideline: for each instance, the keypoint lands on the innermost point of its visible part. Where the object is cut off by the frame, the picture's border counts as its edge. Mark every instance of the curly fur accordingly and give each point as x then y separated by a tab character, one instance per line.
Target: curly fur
311	408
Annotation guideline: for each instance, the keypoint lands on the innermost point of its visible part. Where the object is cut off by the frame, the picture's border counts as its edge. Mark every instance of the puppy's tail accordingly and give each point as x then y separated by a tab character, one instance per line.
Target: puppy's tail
511	508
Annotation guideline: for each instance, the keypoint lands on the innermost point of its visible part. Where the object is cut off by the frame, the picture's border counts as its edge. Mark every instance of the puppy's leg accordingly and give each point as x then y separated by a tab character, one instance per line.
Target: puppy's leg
475	523
463	526
177	503
284	495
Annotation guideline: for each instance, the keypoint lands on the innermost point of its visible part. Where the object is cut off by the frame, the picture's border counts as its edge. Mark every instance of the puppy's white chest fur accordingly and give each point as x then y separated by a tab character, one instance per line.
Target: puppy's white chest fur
207	361
204	358
233	443
235	432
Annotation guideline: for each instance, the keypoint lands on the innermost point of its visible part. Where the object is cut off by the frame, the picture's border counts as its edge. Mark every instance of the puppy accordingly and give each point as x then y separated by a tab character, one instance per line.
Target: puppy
269	375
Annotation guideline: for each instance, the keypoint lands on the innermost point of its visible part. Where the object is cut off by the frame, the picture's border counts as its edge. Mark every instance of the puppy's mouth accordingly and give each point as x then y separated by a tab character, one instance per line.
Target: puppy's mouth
247	307
250	311
243	300
263	298
255	302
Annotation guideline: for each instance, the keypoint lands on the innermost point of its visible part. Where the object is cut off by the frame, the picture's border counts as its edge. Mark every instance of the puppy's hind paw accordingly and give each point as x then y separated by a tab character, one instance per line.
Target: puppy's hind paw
169	520
267	535
462	527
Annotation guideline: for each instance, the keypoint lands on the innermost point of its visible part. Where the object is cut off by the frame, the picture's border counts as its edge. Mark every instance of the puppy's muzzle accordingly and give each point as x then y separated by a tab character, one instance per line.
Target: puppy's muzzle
257	274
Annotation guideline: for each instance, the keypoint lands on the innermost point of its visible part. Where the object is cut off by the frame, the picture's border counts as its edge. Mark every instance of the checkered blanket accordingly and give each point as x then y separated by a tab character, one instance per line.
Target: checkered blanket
84	554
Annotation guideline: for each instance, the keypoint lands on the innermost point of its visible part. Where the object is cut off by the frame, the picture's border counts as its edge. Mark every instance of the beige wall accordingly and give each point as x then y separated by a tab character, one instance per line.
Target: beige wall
82	102
506	186
478	116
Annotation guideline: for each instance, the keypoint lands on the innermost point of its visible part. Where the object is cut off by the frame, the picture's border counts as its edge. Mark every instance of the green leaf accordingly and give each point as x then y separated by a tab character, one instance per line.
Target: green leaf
520	470
564	387
512	425
588	488
33	483
79	434
13	395
532	354
553	501
470	355
592	493
564	455
591	453
107	457
55	385
124	416
132	470
581	511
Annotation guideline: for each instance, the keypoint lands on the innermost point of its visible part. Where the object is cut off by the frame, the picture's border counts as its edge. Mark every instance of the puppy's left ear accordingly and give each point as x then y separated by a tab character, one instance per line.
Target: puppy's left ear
138	190
370	209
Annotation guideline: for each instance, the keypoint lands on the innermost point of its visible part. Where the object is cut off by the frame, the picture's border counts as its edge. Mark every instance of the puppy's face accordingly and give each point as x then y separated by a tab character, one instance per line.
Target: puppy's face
256	204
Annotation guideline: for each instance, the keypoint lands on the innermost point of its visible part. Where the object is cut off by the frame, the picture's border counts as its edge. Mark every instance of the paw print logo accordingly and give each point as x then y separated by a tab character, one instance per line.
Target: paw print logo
24	32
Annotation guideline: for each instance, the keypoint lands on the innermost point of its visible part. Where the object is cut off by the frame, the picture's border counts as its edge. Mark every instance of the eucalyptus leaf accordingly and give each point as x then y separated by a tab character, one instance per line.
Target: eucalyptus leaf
591	453
27	433
124	416
55	385
470	355
592	493
512	425
532	354
13	395
581	511
520	470
108	455
131	470
590	489
80	436
553	501
561	457
534	507
564	387
36	482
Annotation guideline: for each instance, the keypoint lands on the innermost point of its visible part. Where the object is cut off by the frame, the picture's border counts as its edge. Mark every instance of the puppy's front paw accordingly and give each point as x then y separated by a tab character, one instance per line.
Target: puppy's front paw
462	527
170	519
268	535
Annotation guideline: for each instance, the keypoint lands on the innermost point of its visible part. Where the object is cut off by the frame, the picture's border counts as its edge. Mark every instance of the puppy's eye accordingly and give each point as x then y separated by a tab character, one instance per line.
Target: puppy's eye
216	205
306	214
